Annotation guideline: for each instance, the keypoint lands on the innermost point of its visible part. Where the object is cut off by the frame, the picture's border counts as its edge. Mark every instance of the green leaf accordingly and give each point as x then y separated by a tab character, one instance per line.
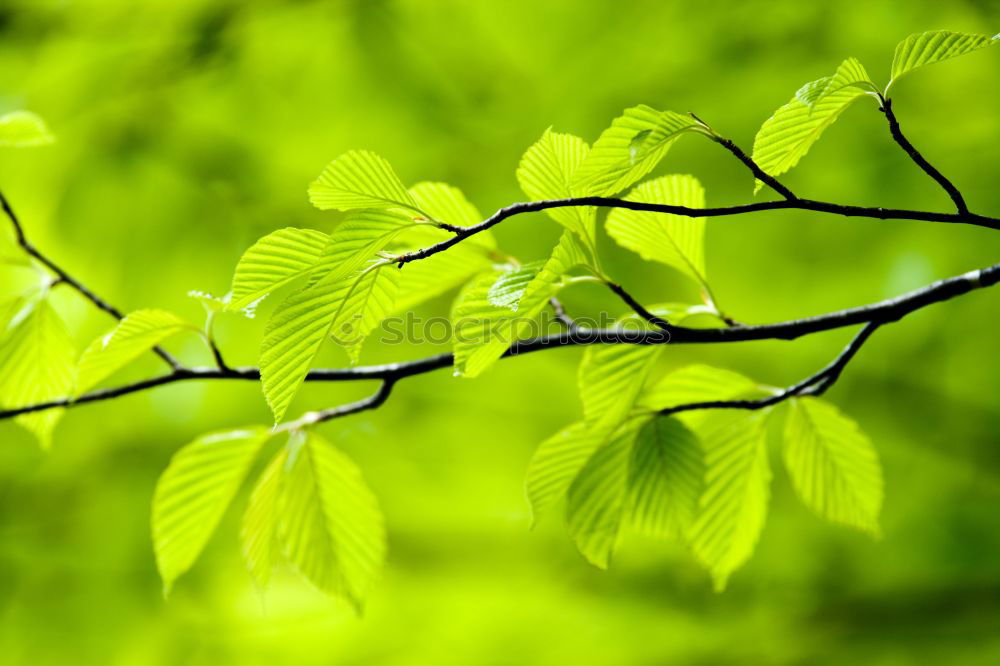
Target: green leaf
556	463
929	47
629	149
510	287
733	507
666	479
850	73
357	240
611	378
547	171
37	359
832	464
483	331
360	179
788	135
696	383
597	497
331	528
272	262
194	492
24	129
347	308
259	530
134	335
674	240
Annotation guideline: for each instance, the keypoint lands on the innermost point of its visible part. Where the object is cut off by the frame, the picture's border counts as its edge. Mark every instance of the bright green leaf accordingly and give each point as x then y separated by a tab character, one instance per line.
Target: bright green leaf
357	240
696	383
597	498
194	492
37	360
272	262
666	478
733	507
547	171
483	331
929	47
134	335
348	309
510	287
447	204
331	528
259	529
832	464
850	73
360	179
629	149
24	129
674	240
556	463
788	135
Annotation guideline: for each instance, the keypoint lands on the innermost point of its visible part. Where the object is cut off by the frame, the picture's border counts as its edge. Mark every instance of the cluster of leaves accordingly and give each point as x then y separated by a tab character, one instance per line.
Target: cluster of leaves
701	477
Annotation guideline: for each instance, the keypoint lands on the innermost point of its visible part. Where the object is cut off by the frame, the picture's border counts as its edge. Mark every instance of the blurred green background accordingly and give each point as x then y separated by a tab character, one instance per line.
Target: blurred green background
189	128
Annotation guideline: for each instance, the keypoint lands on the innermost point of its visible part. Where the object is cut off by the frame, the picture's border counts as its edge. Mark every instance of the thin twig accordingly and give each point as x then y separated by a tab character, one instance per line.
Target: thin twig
921	161
815	384
875	313
639	309
62	277
371	402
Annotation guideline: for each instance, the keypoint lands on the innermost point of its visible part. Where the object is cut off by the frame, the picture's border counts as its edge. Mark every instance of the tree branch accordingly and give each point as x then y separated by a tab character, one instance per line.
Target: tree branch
876	213
897	134
62	277
875	314
815	384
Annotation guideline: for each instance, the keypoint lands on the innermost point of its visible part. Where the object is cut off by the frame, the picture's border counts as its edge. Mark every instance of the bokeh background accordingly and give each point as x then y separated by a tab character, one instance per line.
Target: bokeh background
189	128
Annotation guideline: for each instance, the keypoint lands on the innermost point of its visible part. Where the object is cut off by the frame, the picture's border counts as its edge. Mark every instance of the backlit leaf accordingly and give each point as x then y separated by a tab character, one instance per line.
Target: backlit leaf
272	262
134	335
259	529
360	179
331	528
24	129
832	464
674	240
629	149
194	492
666	478
37	362
929	47
733	506
547	171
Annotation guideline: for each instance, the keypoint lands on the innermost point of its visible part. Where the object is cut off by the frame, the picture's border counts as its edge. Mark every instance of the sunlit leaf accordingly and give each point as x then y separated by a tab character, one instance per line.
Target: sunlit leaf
347	309
447	204
733	506
696	383
788	135
37	362
674	240
134	335
556	463
597	498
194	492
272	262
331	528
484	331
929	47
24	129
547	171
850	73
629	149
259	529
357	240
509	288
832	464
360	179
666	478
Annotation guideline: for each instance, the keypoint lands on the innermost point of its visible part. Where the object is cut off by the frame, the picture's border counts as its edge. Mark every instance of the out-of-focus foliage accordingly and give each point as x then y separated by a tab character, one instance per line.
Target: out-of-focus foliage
187	130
